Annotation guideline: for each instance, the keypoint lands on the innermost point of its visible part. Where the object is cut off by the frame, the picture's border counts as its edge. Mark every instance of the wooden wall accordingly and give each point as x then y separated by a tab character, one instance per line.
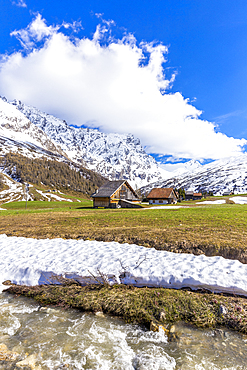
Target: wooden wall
101	202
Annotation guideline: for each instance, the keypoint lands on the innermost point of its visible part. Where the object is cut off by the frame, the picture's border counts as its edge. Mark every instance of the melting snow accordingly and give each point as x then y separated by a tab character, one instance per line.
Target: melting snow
219	201
236	200
50	195
31	261
239	200
165	207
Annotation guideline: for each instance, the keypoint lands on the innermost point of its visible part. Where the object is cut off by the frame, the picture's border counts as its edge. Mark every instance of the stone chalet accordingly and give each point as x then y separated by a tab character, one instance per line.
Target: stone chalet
116	194
162	196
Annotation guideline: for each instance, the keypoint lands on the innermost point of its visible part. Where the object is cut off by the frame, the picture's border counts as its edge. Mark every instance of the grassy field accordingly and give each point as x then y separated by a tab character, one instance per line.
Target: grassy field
196	228
209	229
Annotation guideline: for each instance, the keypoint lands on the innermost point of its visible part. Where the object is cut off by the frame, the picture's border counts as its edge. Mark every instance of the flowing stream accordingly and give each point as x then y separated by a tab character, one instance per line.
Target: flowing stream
54	338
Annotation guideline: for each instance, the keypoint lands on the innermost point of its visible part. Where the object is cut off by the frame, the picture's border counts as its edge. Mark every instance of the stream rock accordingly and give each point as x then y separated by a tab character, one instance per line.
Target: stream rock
99	314
173	335
156	327
222	310
9	360
29	361
6	354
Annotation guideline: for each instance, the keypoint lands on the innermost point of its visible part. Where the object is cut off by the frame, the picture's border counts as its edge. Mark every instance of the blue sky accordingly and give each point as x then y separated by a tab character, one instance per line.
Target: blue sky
205	62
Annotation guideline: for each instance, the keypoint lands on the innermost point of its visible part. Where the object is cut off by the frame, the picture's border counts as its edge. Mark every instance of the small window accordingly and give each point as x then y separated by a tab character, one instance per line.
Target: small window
160	201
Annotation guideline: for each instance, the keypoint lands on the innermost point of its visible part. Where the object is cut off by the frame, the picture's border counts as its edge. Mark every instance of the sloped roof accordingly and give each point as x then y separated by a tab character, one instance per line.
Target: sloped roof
160	193
189	192
197	194
108	189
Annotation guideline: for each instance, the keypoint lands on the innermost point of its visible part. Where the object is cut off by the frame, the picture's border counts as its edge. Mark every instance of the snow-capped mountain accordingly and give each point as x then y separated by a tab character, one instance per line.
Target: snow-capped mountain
32	133
176	169
17	133
115	156
189	166
223	175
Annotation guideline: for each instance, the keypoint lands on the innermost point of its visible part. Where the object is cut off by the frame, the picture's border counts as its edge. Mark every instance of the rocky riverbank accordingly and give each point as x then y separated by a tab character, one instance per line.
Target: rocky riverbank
35	337
11	360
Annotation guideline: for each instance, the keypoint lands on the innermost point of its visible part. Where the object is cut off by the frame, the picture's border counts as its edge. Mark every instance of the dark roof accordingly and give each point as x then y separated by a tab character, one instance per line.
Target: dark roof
108	189
160	193
188	192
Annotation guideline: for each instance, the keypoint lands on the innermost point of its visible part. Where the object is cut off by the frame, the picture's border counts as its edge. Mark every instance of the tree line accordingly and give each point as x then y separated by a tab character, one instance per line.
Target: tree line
1	182
61	175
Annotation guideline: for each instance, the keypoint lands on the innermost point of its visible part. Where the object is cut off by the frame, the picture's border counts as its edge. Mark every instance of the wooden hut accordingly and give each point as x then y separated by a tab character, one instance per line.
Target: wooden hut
162	196
190	195
227	193
197	196
116	194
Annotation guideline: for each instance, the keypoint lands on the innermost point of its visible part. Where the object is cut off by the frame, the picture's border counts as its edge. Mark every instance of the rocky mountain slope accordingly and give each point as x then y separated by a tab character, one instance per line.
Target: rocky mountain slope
18	133
219	176
27	154
114	156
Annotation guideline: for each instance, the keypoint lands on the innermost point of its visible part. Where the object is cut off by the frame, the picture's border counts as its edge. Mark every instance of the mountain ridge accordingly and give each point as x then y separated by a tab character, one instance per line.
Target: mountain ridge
229	174
16	126
115	156
28	131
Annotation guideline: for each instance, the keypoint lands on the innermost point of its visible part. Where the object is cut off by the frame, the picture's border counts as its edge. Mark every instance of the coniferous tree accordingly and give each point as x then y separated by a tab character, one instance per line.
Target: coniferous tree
51	173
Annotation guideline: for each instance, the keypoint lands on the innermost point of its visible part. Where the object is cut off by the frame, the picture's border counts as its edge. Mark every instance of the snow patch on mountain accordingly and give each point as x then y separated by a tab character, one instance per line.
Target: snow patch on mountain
14	191
189	166
116	156
177	168
17	130
223	175
27	149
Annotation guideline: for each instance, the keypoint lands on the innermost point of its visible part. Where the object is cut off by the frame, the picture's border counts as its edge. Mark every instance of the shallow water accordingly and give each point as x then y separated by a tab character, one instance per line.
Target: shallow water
69	339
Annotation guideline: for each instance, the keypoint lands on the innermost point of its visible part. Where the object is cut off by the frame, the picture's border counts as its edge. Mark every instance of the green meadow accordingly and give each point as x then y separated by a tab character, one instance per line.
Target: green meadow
198	228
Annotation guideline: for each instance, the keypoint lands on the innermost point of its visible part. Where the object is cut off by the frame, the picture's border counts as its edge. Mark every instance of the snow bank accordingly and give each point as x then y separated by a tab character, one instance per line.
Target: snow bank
219	201
31	262
239	200
164	207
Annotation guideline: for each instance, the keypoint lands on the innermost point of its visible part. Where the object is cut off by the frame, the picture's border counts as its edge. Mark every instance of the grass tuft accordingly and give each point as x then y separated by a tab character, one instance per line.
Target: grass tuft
145	305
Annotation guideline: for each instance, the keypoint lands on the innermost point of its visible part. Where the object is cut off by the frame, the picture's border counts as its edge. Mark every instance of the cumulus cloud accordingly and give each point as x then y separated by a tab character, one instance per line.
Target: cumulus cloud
116	85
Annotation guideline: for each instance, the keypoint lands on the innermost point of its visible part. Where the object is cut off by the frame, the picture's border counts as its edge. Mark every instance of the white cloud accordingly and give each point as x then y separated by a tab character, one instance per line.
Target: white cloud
20	3
75	26
107	85
224	117
35	32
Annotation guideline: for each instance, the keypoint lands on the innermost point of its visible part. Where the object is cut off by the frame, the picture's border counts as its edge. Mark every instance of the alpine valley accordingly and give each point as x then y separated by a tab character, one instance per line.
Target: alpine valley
114	156
30	133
